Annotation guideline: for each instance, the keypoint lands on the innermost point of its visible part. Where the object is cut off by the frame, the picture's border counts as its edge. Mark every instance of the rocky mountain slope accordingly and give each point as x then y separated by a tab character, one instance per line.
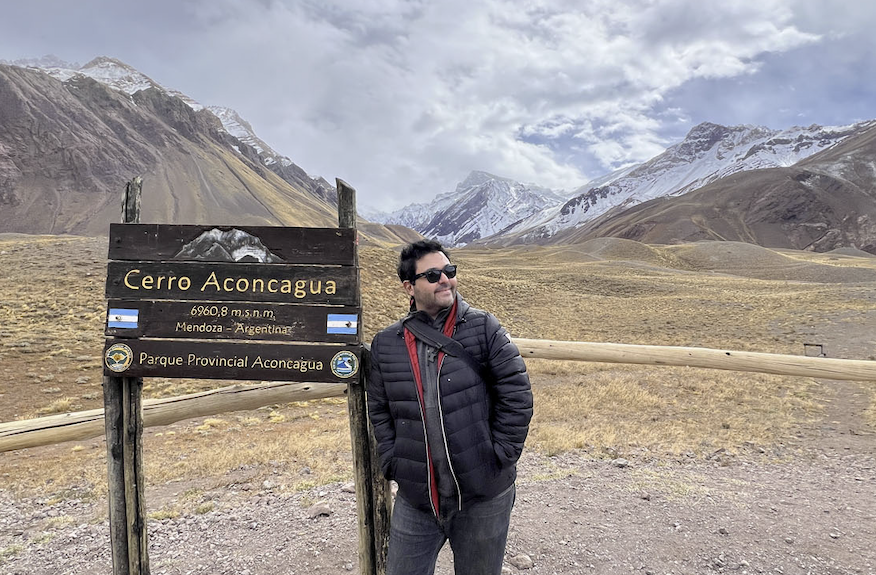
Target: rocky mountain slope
824	202
70	139
120	76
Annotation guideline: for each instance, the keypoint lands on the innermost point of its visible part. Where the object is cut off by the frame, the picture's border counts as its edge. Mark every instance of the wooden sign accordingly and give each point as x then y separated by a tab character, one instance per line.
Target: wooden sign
232	320
197	281
232	244
233	302
225	360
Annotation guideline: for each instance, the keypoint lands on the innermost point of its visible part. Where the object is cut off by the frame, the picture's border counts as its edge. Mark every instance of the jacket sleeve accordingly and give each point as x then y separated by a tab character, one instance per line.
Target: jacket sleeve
378	412
510	393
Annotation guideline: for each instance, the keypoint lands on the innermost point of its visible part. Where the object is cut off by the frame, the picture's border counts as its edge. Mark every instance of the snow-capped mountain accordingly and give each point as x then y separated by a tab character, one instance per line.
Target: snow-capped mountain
823	202
481	206
125	78
68	145
497	209
708	153
109	71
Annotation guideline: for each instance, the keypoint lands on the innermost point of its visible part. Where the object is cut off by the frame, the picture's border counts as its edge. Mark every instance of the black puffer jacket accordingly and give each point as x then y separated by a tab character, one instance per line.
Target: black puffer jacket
485	423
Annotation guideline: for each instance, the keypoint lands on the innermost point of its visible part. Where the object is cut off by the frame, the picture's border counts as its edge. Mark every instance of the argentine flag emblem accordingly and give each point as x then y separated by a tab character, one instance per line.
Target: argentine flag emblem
123	318
346	323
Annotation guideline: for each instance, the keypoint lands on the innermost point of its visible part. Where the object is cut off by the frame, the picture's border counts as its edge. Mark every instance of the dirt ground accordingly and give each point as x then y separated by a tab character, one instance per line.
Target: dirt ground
808	507
805	505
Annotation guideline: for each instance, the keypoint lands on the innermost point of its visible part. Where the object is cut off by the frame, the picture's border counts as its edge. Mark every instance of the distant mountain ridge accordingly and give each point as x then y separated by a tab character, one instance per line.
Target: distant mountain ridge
824	202
490	210
708	153
124	78
69	142
71	135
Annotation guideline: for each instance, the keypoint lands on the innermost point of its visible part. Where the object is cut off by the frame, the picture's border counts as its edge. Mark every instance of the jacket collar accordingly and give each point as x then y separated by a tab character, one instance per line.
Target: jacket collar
461	308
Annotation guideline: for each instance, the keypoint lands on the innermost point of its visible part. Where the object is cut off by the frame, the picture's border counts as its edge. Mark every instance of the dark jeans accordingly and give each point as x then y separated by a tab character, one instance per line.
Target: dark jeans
477	536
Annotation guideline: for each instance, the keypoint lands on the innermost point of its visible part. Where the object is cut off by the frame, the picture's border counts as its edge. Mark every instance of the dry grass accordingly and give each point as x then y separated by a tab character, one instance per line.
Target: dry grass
546	294
9	552
665	411
310	439
62	405
51	317
301	446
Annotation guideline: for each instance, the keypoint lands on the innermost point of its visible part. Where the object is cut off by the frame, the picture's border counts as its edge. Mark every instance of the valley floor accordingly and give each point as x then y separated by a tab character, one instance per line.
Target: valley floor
780	477
809	510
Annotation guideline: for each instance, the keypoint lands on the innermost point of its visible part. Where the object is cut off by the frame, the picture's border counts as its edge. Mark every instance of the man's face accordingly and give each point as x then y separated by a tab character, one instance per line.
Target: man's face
432	298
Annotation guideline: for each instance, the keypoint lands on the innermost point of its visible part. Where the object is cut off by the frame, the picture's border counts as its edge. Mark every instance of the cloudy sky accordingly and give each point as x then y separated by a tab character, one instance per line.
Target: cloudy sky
403	98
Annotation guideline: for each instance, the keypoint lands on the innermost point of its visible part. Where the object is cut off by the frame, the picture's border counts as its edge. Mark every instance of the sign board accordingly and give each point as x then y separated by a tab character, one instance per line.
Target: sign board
231	360
281	300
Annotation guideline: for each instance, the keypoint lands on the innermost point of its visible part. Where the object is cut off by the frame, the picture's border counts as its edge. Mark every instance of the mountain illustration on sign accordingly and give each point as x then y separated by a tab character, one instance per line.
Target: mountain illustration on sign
227	246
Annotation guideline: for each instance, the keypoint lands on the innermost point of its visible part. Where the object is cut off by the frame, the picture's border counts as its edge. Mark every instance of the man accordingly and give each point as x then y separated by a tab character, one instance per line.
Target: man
450	402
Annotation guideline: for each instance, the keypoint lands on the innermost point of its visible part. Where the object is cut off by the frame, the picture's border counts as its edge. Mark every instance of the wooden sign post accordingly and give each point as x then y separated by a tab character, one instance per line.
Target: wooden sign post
372	490
226	302
122	402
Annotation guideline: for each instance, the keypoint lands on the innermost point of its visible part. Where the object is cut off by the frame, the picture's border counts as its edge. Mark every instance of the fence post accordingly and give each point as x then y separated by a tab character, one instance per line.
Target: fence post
123	417
371	488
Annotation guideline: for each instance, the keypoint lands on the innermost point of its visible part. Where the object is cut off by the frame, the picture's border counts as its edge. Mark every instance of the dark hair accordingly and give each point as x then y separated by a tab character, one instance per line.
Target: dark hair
407	261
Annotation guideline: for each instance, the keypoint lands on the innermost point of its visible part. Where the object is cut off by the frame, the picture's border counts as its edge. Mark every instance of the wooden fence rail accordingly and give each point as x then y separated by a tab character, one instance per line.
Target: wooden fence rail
803	366
88	424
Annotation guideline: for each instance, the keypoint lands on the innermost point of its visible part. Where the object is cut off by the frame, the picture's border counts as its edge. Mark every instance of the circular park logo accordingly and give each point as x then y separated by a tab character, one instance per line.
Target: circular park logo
118	357
345	364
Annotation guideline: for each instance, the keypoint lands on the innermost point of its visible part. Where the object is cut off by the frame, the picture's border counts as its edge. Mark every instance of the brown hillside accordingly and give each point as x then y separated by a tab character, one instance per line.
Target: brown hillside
67	149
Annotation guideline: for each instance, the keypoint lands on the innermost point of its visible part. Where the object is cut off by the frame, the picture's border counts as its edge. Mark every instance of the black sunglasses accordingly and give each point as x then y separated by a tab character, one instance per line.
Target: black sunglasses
434	274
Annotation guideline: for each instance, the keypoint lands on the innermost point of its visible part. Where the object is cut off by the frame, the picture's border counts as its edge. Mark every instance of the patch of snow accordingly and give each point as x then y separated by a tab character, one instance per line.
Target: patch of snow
240	129
108	71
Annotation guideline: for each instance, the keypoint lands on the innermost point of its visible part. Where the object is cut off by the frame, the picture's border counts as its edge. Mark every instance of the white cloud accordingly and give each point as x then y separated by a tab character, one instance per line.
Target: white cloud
396	95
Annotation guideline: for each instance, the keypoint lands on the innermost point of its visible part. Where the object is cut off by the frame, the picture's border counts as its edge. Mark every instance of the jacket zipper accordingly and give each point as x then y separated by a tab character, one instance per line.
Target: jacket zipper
421	405
428	456
444	434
